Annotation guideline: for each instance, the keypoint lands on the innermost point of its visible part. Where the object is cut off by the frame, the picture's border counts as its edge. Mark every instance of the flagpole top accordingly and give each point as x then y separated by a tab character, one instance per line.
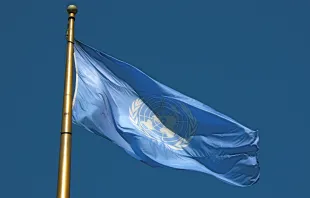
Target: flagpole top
72	9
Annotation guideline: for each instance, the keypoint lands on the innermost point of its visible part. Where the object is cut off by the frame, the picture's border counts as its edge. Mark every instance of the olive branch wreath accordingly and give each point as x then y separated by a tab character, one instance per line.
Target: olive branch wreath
133	112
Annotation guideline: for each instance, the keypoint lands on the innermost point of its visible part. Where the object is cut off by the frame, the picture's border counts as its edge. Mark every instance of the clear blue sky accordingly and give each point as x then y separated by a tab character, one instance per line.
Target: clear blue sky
247	59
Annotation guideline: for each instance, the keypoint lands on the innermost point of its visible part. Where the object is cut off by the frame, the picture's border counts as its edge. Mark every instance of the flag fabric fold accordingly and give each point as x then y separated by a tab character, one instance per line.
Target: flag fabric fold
158	125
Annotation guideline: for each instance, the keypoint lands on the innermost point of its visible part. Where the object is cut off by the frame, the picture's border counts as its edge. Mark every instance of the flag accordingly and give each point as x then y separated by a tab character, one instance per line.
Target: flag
158	125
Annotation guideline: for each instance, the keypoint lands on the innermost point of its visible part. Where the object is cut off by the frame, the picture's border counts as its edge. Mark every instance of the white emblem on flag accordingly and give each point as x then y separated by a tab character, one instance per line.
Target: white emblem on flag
173	124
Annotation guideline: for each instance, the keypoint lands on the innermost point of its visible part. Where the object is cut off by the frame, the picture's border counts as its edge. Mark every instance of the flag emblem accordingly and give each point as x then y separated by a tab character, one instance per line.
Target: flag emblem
163	120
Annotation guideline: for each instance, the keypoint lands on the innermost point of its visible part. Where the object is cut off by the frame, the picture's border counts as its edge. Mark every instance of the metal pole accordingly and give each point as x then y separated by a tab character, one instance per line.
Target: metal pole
63	189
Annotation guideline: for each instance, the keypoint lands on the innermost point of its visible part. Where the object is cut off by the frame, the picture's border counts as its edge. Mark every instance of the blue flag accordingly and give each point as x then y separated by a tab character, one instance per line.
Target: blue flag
158	125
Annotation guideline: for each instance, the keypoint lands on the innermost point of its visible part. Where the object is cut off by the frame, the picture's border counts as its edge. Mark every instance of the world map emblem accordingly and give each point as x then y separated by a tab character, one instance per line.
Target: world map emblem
163	120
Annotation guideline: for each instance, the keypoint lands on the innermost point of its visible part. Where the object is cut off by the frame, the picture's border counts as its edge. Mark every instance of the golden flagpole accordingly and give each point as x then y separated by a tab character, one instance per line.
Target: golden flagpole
63	188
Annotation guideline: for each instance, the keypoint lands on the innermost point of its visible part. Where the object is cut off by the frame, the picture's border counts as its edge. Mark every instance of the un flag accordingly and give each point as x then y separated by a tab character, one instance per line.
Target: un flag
158	125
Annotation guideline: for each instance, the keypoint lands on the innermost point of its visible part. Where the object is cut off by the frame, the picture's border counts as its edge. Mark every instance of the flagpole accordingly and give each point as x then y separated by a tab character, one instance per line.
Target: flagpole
63	188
